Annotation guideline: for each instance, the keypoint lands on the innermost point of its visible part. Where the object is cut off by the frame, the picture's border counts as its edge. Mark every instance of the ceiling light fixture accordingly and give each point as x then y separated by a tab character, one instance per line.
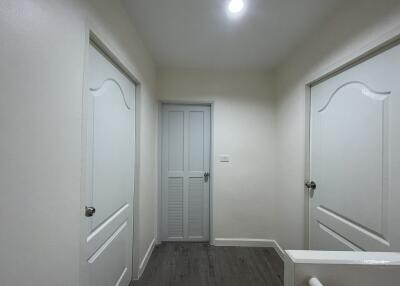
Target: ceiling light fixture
235	6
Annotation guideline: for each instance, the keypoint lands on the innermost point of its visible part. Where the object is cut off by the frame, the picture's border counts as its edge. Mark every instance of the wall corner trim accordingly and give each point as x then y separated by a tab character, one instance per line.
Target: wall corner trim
146	258
251	242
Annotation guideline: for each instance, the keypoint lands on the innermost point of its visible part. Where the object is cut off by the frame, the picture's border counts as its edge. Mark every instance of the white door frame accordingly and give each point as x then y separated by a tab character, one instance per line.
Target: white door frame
92	37
159	148
372	49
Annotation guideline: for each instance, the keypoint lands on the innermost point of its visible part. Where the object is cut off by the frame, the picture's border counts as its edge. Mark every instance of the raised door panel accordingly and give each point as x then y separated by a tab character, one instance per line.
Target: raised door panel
175	148
112	154
196	141
106	266
350	159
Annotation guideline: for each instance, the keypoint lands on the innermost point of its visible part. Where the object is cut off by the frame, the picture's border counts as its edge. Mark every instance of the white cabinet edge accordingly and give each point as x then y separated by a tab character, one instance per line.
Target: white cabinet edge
344	257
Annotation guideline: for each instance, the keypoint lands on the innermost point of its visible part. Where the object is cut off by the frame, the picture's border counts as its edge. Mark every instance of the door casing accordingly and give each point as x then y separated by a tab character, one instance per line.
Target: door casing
375	49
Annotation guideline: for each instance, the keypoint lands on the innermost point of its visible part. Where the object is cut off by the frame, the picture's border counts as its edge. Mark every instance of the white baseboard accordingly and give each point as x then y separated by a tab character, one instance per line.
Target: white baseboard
280	251
143	263
251	242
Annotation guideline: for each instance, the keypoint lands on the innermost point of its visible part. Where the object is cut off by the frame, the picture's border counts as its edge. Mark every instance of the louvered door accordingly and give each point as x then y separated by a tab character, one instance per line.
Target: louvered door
185	169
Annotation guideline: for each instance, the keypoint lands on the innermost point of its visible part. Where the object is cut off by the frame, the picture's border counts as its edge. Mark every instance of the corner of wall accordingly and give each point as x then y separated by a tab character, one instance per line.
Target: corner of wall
143	262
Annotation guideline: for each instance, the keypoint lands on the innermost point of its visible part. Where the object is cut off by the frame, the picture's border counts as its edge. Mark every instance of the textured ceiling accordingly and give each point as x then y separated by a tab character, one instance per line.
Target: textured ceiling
200	34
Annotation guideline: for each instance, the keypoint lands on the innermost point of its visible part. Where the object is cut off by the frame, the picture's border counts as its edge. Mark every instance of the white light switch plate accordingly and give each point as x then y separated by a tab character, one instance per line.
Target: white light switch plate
224	158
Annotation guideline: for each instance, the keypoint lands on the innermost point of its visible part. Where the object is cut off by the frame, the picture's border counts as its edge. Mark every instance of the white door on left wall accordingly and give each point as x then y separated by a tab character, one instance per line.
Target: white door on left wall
109	173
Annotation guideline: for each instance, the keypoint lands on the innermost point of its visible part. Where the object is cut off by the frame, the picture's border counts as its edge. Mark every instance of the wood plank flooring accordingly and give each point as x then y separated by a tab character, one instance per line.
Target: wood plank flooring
199	264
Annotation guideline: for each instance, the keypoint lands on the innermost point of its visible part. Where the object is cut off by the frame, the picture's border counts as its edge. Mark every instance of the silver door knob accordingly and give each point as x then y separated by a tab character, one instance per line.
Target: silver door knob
206	175
89	211
311	185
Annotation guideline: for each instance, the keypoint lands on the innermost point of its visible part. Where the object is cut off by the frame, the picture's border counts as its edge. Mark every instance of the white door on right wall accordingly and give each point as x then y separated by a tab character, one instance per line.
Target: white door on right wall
355	157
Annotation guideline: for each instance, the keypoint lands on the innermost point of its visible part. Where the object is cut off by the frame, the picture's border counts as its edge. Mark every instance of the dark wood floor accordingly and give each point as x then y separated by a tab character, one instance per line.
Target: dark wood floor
198	264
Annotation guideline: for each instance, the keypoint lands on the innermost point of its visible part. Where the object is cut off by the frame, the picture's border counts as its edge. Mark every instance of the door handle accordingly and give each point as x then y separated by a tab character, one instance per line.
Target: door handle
311	185
89	211
206	176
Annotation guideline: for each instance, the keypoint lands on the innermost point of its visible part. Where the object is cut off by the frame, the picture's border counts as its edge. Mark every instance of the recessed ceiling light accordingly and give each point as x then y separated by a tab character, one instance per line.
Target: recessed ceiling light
235	6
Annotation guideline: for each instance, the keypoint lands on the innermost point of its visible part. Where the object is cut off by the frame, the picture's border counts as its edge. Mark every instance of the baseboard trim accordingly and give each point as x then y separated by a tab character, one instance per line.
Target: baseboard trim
251	242
145	260
280	251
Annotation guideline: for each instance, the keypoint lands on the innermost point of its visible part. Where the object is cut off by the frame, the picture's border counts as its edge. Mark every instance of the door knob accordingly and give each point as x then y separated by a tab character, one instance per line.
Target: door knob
206	175
89	211
311	185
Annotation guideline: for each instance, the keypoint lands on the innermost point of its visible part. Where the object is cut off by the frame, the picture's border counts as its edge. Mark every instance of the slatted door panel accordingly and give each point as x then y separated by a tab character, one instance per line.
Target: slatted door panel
185	159
174	208
195	208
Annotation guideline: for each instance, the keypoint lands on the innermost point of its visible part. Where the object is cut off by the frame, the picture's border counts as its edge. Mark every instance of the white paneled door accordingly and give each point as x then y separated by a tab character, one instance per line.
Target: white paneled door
355	157
109	172
185	172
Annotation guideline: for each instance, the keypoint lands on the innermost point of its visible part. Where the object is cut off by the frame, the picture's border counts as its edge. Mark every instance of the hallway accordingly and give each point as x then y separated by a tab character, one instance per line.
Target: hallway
200	264
199	142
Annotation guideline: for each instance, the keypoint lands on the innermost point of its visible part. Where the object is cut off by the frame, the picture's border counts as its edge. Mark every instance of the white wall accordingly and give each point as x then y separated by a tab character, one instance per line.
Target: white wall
244	127
41	77
362	25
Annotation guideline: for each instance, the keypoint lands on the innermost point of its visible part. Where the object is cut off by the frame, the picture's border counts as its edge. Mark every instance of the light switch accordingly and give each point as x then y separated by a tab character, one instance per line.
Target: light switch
224	158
